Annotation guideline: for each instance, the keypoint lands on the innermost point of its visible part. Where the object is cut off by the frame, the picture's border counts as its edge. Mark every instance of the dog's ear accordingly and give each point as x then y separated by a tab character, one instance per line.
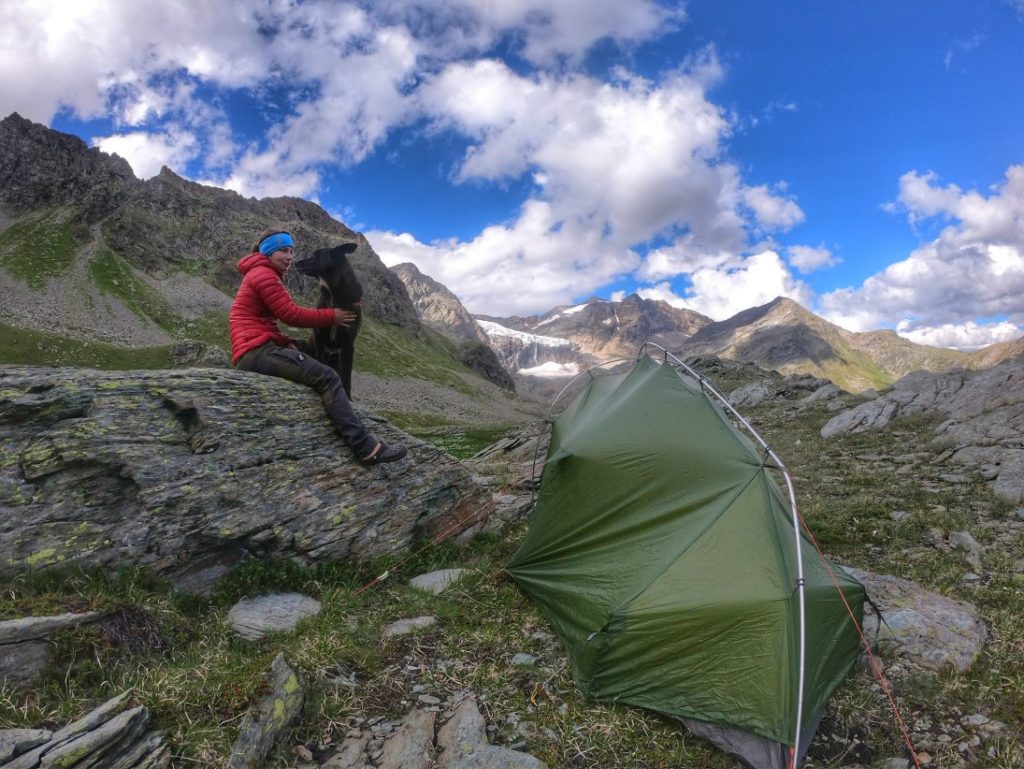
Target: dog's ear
344	249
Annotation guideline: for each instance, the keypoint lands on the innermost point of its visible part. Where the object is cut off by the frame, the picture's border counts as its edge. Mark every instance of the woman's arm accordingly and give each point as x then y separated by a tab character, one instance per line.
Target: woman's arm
275	296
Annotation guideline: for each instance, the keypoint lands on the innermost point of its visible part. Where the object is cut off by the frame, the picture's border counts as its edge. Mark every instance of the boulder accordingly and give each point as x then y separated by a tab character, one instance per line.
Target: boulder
270	719
188	471
924	627
984	419
253	618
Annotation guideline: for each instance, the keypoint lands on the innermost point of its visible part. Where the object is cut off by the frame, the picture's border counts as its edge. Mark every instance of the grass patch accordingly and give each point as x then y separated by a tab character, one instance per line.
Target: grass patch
391	351
114	276
461	441
37	348
198	678
37	249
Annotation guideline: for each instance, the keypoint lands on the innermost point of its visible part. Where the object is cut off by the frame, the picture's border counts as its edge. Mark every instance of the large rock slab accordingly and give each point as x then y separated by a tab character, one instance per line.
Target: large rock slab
924	627
113	736
24	651
185	470
984	413
462	743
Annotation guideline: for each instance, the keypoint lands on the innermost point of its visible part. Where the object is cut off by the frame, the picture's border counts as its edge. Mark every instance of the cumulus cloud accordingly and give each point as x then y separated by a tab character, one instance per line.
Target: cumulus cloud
148	152
973	269
518	268
543	31
631	159
962	336
773	211
808	259
721	293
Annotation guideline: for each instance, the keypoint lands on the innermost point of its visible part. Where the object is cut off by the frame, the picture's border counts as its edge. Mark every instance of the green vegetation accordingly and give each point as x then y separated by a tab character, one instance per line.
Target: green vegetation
460	441
36	249
391	351
114	276
37	348
198	678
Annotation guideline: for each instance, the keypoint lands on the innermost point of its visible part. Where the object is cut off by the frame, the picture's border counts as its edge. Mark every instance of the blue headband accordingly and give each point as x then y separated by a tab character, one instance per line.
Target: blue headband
276	242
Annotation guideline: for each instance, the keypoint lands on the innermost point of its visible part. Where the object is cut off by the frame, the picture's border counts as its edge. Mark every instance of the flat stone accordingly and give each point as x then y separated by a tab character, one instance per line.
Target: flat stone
524	659
34	628
410	746
436	581
253	618
406	626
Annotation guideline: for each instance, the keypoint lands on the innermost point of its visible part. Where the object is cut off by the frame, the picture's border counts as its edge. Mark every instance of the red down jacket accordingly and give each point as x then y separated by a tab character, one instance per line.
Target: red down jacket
262	300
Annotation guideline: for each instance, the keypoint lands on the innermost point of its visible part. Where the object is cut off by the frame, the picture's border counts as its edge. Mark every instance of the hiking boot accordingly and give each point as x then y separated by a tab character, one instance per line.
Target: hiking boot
384	453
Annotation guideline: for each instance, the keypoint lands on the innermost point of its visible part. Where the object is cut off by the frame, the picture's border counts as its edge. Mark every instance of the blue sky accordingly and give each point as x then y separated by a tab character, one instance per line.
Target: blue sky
863	158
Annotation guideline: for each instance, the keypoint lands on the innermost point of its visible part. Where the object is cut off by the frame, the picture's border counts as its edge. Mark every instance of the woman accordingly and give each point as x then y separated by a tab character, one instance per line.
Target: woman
257	344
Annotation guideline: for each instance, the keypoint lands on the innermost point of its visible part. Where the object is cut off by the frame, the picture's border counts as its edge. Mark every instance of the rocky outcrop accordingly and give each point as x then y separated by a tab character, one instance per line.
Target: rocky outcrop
42	169
187	472
984	419
113	736
169	224
437	306
479	357
441	310
25	649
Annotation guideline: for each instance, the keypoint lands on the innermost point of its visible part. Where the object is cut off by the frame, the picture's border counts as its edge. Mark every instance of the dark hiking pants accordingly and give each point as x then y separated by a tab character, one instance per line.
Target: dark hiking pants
296	366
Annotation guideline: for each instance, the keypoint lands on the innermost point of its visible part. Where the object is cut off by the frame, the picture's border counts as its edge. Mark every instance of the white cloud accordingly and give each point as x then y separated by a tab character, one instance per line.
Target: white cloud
773	212
962	336
973	269
632	157
808	259
543	31
148	152
660	292
721	293
517	268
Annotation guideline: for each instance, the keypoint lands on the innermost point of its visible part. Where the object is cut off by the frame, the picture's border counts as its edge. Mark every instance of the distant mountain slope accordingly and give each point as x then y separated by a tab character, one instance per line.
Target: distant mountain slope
436	306
102	269
602	329
785	337
442	311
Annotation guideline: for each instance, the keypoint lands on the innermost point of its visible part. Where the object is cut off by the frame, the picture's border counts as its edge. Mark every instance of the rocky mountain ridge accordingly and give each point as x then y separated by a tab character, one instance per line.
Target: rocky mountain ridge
781	336
90	253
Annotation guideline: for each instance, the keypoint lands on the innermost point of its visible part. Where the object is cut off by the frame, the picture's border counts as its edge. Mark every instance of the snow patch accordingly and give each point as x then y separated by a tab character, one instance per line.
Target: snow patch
565	313
496	329
551	370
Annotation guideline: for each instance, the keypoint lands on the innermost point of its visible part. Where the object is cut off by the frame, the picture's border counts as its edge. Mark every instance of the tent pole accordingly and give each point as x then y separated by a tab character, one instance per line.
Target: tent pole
800	584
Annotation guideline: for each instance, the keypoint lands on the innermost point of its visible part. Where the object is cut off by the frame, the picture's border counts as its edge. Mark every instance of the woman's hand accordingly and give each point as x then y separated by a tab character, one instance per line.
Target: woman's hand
344	318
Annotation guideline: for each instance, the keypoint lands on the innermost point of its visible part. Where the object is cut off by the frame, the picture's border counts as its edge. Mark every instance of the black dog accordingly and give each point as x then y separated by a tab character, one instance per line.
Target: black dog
335	346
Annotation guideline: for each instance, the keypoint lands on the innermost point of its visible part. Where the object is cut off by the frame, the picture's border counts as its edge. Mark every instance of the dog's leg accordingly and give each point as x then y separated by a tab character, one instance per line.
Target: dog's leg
347	355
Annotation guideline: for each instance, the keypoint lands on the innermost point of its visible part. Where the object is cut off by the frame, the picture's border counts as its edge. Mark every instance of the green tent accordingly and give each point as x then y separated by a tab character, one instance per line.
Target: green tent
663	552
